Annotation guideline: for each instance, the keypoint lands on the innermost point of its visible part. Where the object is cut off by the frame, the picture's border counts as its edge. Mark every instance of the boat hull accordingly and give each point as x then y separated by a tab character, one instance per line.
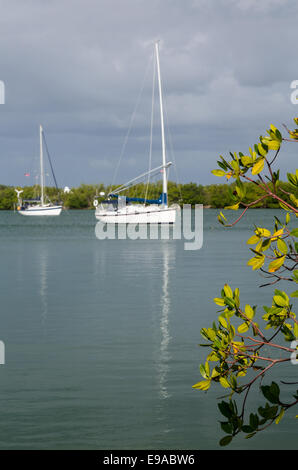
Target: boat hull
162	216
41	211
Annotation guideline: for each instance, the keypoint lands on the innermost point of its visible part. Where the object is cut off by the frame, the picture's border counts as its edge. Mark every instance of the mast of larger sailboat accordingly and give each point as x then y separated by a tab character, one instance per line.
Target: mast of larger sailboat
164	180
41	168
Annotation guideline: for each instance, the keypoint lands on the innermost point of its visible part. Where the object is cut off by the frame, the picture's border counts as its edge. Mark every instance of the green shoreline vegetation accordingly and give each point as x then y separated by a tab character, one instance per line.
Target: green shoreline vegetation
213	196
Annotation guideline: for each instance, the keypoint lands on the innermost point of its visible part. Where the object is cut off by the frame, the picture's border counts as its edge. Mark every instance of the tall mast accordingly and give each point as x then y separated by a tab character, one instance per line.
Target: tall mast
164	180
41	167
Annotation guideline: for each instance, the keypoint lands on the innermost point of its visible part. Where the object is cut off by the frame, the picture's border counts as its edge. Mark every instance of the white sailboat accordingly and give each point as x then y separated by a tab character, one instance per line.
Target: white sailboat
38	207
118	209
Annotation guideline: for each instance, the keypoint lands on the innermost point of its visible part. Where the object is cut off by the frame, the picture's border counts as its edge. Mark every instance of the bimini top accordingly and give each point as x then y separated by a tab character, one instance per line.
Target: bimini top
32	200
162	199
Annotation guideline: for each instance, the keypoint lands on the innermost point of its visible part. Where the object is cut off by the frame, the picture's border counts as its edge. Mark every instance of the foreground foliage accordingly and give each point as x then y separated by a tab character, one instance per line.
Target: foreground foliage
245	345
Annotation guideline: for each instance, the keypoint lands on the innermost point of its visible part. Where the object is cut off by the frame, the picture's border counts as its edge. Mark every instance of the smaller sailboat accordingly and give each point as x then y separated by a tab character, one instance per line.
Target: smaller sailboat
39	206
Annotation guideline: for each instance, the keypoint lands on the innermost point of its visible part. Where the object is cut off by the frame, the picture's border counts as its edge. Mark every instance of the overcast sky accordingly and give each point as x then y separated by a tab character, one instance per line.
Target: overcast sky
77	67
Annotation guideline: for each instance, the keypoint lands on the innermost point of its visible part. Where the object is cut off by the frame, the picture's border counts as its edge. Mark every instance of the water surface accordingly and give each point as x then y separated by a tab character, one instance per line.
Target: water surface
101	336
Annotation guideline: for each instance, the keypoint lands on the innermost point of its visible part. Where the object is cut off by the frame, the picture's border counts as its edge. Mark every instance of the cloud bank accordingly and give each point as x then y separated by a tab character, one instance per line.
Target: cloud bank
77	67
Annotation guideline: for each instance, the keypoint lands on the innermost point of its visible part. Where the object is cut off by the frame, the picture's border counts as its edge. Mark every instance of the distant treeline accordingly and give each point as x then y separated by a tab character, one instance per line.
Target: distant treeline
214	195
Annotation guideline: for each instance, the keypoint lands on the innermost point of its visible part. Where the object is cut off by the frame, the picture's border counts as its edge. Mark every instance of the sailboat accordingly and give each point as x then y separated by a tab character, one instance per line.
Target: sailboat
120	210
38	207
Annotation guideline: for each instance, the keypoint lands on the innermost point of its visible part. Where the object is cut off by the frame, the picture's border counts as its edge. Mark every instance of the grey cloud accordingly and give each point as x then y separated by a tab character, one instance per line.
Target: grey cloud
77	67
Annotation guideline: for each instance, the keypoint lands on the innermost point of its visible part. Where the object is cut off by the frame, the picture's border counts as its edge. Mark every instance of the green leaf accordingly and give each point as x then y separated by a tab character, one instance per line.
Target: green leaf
233	382
228	291
272	394
263	150
258	167
249	312
203	385
250	435
280	301
265	244
253	240
294	294
278	135
208	333
246	160
283	206
229	302
276	264
280	416
219	301
226	427
254	421
203	371
223	321
282	294
247	429
222	165
268	412
282	246
224	383
236	297
263	232
243	328
218	172
256	262
235	207
225	441
225	409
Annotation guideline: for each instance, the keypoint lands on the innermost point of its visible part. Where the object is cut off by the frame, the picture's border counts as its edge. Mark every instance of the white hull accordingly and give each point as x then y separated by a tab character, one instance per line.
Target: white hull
140	216
41	211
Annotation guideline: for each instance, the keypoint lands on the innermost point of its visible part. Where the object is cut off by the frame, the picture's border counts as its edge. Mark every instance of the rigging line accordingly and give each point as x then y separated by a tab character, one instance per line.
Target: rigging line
136	180
49	158
172	150
34	174
151	129
130	126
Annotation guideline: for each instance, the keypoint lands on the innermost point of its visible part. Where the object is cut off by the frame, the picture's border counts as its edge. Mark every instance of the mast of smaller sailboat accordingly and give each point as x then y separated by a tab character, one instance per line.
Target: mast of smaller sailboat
41	168
164	179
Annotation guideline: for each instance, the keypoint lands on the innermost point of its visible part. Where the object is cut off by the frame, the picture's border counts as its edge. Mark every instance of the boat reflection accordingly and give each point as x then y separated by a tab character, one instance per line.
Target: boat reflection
43	262
164	356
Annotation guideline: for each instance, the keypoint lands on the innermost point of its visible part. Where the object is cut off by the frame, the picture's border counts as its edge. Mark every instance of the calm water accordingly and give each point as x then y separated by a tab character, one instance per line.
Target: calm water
101	336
